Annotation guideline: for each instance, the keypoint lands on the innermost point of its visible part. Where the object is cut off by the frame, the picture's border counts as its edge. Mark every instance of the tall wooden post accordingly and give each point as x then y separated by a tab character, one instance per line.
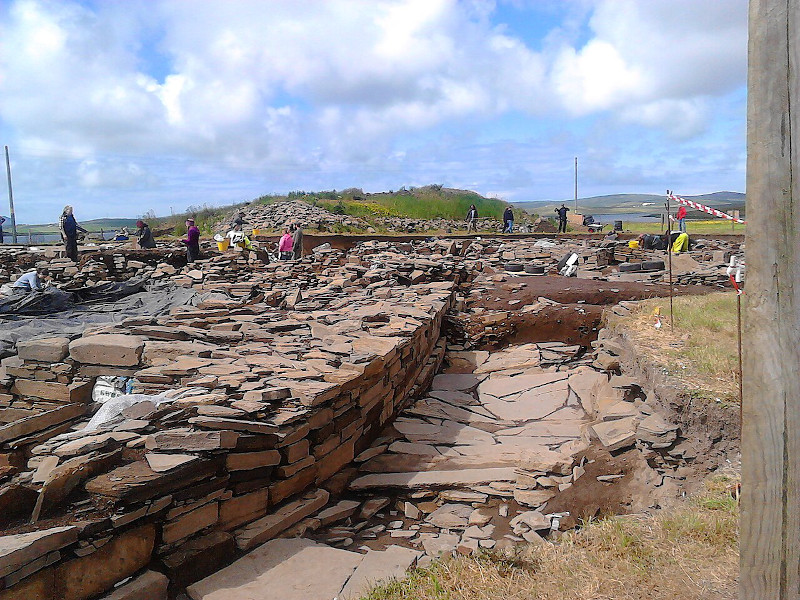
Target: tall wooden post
770	515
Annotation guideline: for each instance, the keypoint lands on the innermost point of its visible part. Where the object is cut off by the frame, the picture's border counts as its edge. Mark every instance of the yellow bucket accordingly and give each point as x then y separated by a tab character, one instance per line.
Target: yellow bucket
223	245
256	232
634	244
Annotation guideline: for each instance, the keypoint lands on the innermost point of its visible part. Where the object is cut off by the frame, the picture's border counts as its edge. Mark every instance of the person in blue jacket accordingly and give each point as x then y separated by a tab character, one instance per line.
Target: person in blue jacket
69	233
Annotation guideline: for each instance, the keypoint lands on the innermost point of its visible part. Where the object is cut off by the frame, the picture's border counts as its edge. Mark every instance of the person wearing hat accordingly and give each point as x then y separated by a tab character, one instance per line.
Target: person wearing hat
192	241
145	235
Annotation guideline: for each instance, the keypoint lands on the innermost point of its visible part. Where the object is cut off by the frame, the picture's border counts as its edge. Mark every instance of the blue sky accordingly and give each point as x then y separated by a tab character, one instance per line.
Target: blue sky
124	106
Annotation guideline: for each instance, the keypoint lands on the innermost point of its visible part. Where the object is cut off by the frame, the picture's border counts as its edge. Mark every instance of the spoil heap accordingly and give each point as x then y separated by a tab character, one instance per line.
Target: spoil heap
279	214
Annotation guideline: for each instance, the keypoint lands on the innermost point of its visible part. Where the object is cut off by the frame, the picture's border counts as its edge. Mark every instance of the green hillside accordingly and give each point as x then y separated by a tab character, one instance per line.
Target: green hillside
637	203
427	202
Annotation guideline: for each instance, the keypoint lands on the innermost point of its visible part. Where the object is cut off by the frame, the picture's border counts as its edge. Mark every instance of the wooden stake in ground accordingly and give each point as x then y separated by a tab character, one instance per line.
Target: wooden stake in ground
770	509
669	258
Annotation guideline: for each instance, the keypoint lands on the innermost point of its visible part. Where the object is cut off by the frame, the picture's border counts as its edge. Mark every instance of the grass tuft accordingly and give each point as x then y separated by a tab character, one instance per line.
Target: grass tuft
690	553
701	352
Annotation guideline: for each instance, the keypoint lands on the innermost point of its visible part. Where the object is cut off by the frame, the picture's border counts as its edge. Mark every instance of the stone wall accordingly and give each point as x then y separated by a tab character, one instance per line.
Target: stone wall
261	410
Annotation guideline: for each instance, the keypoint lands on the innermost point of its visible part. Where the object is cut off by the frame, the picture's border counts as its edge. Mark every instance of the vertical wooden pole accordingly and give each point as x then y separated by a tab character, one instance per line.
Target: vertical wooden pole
770	509
669	258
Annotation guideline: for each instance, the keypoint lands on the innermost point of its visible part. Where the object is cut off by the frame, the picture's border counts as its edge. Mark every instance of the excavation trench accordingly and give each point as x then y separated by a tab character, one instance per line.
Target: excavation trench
632	478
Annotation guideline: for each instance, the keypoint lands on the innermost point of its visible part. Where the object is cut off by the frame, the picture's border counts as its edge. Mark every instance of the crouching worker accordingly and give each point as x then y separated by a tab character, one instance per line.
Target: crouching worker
29	282
680	243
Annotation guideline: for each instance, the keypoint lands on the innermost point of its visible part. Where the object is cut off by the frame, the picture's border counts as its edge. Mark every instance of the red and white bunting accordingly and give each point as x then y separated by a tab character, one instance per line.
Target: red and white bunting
704	208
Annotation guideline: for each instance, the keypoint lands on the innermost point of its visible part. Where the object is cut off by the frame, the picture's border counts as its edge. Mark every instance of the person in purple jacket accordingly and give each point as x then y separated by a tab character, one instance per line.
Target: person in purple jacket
192	241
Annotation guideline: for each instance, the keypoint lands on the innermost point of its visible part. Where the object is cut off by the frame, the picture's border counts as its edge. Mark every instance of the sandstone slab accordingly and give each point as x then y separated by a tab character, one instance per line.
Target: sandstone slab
282	569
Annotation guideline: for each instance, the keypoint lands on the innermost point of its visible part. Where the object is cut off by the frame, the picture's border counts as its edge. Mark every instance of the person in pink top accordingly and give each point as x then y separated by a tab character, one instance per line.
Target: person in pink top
285	245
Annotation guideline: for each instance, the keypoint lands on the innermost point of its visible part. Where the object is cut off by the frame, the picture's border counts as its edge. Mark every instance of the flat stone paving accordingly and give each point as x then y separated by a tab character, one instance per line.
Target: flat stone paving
301	569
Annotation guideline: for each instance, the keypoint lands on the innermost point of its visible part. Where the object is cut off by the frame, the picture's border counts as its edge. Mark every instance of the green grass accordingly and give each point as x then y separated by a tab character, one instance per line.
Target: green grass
716	226
687	553
701	352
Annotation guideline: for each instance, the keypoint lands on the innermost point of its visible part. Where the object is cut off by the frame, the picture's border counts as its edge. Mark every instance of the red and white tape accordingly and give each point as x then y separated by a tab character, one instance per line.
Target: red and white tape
704	208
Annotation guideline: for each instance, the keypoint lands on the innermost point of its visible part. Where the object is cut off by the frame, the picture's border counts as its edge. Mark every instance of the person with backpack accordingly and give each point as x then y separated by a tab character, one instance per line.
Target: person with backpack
562	218
69	233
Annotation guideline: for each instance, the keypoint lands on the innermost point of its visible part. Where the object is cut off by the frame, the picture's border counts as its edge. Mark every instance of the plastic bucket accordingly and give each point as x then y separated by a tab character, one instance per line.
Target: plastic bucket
223	245
256	232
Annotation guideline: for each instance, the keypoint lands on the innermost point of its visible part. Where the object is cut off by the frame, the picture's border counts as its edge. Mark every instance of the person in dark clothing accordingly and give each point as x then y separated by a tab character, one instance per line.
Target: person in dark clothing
508	220
297	241
192	241
69	233
472	218
239	220
651	242
145	235
2	220
562	218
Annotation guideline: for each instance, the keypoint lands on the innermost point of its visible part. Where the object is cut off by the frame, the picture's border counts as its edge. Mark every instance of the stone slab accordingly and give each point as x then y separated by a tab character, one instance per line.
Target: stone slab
378	567
433	478
107	349
282	569
150	585
18	550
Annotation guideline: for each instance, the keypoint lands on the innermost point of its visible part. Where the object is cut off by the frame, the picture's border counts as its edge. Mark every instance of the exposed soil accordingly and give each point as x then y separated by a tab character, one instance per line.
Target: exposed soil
573	290
588	498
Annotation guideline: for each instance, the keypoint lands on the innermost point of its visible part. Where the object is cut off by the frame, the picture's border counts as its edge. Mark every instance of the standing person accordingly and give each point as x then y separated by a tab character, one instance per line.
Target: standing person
145	235
285	245
681	217
2	220
472	217
297	241
192	241
508	220
69	233
562	218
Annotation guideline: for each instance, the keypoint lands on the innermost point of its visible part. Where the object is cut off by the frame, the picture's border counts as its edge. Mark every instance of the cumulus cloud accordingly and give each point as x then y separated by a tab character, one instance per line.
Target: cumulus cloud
656	62
315	86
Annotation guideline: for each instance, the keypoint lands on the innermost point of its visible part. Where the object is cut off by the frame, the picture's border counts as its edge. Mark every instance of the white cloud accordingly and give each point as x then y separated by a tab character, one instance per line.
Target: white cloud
286	87
662	59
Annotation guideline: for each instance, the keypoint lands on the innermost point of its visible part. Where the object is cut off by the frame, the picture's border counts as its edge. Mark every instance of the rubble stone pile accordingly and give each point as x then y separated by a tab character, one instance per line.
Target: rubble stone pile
279	214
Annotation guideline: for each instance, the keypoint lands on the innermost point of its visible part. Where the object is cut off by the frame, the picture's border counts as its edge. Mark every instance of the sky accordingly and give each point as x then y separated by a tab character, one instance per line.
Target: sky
120	107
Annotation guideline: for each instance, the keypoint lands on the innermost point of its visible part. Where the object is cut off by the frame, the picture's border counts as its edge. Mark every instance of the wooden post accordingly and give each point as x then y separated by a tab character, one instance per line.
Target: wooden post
770	509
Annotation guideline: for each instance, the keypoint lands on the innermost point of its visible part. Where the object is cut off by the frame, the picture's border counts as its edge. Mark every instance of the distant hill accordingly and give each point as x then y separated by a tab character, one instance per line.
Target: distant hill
636	203
93	225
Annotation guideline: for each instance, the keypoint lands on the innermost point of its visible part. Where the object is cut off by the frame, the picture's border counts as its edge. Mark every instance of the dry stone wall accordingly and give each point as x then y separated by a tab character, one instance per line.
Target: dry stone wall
260	409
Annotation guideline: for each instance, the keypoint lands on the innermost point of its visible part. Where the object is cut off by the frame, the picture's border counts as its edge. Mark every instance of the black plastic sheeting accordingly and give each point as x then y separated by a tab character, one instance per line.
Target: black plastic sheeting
57	313
52	300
